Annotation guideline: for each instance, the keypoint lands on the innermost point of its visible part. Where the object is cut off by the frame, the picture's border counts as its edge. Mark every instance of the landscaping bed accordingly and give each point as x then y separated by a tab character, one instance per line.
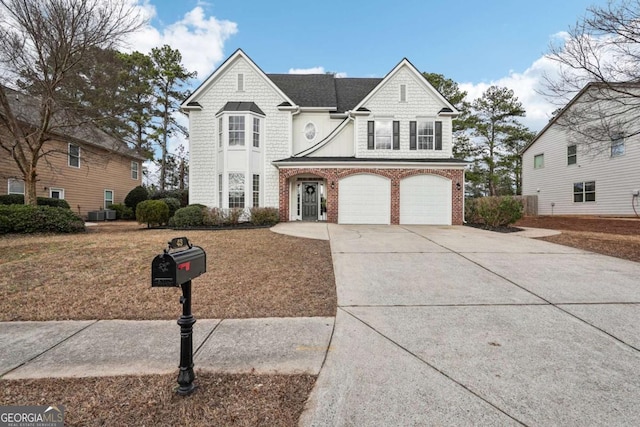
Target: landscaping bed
105	274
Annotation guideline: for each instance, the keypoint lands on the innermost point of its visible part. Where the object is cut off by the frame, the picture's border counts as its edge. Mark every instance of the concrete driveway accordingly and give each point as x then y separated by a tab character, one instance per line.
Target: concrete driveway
459	326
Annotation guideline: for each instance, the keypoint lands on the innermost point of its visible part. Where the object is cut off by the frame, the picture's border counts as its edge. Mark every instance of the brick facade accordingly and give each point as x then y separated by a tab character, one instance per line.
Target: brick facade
333	176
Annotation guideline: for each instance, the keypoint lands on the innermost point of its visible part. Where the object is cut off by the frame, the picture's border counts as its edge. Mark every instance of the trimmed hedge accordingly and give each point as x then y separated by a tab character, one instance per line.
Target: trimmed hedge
264	216
181	195
493	211
38	219
189	216
135	196
18	199
12	199
152	212
173	203
122	211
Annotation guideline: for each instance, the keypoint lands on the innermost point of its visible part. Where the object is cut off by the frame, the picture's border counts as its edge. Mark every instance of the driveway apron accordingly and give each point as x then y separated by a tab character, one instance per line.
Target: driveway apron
460	326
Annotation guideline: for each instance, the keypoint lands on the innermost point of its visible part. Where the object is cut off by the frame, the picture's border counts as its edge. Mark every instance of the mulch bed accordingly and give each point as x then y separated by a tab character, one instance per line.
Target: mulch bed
501	229
624	226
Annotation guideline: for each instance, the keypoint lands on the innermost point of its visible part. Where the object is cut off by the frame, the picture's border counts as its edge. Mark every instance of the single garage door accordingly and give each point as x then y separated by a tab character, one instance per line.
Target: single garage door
364	199
425	199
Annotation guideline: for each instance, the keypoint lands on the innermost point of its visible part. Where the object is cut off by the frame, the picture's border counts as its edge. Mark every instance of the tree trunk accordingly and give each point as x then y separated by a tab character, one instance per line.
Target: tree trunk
30	181
181	174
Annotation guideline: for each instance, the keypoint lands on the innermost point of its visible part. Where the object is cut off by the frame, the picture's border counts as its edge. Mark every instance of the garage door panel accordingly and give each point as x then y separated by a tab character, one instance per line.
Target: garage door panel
364	199
425	199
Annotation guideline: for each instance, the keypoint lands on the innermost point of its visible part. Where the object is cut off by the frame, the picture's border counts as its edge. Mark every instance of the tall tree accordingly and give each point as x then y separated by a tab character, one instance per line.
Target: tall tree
169	79
599	53
45	43
510	165
493	120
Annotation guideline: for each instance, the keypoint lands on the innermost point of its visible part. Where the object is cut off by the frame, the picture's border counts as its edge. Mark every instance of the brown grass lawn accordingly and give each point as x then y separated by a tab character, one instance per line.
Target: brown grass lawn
105	274
219	400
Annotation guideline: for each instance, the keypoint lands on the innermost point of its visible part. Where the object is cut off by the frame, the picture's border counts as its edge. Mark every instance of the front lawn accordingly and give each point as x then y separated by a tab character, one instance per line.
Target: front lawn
105	274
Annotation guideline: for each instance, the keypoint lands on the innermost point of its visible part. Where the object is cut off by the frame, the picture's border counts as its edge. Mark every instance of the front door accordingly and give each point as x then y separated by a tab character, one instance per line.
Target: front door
309	201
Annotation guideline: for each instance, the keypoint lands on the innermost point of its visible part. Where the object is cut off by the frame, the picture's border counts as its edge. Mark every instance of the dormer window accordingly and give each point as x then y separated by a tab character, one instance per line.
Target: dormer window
240	82
236	130
240	125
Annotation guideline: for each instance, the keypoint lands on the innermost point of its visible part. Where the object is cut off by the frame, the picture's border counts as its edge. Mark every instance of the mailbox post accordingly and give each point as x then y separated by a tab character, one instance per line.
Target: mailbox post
175	267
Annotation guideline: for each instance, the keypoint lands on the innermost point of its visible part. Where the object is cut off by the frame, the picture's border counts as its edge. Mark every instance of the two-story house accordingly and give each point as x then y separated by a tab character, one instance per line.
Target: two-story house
322	148
88	168
574	174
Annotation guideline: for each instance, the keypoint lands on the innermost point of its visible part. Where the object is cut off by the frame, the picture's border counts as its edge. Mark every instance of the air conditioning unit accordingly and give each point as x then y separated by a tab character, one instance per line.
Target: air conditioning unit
109	214
96	215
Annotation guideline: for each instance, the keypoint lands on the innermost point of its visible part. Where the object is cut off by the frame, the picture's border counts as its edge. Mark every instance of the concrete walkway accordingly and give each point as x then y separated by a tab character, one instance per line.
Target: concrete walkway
460	326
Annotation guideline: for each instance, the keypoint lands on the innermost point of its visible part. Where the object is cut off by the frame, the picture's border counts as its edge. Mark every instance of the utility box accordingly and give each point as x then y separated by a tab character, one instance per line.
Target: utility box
96	216
180	266
110	214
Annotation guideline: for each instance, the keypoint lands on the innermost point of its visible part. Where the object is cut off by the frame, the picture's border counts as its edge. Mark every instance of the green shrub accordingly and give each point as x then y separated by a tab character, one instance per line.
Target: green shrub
498	211
38	219
189	216
122	211
135	196
181	195
56	203
232	216
264	216
471	211
152	212
173	203
214	217
12	199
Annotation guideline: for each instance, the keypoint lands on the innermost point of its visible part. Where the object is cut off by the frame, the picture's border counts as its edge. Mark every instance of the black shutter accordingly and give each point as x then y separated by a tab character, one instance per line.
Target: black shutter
396	135
412	135
370	135
438	135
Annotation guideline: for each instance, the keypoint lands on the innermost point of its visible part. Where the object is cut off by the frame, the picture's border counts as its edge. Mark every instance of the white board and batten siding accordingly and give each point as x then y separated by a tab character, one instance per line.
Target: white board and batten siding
616	177
364	199
425	199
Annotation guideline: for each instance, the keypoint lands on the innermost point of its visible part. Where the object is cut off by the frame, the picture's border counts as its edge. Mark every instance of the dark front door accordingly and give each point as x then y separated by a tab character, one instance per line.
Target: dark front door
309	201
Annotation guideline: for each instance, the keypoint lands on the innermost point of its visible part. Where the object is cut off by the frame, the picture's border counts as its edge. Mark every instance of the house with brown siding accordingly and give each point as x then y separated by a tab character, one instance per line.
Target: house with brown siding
87	167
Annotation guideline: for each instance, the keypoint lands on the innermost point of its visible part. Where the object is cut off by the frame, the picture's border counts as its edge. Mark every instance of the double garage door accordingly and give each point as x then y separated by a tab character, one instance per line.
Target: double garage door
366	199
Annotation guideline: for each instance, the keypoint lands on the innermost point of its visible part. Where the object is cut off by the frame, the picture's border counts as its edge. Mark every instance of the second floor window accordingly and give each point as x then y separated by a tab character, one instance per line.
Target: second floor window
572	155
236	131
617	146
425	135
538	161
134	170
256	132
74	156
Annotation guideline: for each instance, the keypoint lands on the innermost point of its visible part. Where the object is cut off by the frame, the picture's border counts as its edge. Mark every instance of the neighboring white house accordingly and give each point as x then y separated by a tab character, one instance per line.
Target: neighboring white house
571	177
317	147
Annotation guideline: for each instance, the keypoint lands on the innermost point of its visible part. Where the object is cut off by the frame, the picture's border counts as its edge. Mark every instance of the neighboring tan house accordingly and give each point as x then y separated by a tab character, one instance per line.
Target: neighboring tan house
321	148
88	168
571	177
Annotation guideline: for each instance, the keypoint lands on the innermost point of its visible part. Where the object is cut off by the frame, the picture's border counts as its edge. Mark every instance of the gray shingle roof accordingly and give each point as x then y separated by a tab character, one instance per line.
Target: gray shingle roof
350	91
241	106
365	159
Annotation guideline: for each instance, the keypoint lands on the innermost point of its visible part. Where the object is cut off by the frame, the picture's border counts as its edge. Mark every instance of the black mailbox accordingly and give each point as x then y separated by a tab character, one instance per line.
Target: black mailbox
180	266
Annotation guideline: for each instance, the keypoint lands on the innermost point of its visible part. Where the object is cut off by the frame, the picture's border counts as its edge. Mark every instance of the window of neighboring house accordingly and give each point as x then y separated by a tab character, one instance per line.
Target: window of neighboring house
134	170
56	193
256	132
220	191
256	191
584	191
236	190
240	82
572	156
403	93
74	156
617	146
383	134
538	161
220	132
425	135
236	130
108	198
15	186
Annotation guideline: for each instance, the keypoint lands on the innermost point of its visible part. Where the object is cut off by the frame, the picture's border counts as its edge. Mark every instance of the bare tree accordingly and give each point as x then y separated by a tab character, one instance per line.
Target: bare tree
599	61
44	43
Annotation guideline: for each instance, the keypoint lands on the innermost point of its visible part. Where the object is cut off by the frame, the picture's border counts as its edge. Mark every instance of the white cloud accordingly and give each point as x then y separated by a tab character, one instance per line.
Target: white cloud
199	37
313	70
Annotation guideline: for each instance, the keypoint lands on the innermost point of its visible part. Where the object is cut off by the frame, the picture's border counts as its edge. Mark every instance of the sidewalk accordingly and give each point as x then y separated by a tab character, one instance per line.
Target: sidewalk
126	347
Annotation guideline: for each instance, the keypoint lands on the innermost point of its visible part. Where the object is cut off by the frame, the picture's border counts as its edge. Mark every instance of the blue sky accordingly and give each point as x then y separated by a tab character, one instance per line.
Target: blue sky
476	43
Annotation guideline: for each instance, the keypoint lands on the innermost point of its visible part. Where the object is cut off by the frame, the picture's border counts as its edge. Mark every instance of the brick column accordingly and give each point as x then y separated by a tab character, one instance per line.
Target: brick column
395	200
284	197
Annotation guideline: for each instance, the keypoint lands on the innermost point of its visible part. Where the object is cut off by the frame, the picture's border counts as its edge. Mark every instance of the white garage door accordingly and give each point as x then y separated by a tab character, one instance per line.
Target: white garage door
425	199
364	199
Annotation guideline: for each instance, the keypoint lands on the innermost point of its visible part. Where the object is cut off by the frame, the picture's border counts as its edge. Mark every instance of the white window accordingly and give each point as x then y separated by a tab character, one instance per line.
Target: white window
236	130
584	191
425	135
572	155
236	190
74	156
15	186
256	132
256	191
383	134
134	170
56	193
108	198
240	82
220	191
310	131
403	93
617	146
220	133
538	161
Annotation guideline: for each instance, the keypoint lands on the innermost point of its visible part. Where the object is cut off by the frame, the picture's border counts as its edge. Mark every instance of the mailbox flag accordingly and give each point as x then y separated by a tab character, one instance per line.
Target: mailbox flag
186	266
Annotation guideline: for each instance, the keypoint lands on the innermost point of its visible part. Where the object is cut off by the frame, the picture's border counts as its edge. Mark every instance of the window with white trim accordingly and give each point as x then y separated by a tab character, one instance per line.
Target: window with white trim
220	191
134	170
538	161
236	130
617	145
584	192
56	193
220	132
74	156
403	93
236	190
108	198
256	191
15	186
572	155
240	82
384	134
256	132
425	135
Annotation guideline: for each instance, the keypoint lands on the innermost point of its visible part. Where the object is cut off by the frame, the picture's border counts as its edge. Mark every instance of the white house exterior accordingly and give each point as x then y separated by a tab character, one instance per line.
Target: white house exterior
320	148
570	178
